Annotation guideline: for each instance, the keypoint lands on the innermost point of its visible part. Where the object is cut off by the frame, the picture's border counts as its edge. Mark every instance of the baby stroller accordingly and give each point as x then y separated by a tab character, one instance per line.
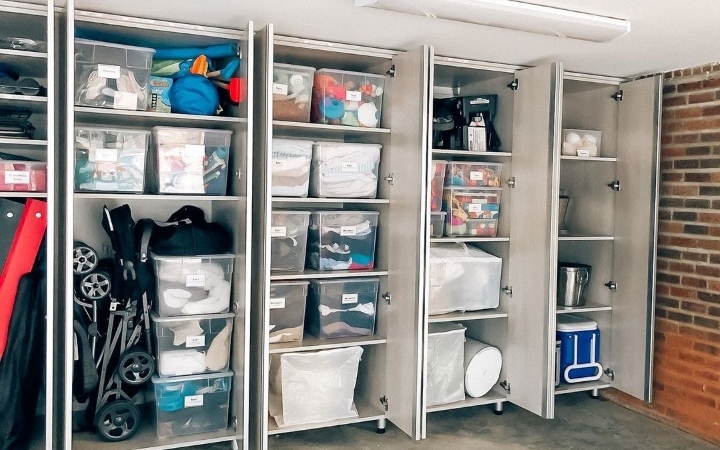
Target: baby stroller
113	328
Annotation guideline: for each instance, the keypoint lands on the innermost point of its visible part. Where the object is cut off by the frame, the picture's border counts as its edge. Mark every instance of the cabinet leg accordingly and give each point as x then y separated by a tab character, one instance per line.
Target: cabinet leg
595	393
498	410
380	426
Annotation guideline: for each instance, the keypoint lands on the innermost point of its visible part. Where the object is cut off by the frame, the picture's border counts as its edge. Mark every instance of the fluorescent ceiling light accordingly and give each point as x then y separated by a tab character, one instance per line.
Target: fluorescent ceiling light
513	15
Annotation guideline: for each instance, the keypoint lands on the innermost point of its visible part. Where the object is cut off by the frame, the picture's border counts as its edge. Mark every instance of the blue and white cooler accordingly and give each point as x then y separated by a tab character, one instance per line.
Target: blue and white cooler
579	339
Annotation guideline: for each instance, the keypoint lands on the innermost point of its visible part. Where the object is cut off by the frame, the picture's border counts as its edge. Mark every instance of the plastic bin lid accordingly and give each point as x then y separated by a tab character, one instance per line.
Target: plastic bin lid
345	144
473	190
293	67
569	323
288	283
203	376
440	161
347	72
440	213
344	212
112	44
190	130
282	212
155	318
176	258
111	129
445	327
347	280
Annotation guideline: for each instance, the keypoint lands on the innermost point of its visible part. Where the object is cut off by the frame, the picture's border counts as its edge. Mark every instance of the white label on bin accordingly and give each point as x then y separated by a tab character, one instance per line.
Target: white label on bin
280	163
353	96
194	151
583	153
103	155
278	231
350	167
195	280
280	89
348	231
477	176
125	100
194	400
17	177
349	299
277	303
195	341
108	71
475	207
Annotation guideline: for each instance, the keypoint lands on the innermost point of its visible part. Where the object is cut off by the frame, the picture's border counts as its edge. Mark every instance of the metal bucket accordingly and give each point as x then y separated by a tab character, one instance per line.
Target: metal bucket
572	279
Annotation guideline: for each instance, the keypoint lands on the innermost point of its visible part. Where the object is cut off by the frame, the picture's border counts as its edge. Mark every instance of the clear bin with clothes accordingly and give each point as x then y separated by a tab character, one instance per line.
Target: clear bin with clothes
436	185
288	240
287	310
463	205
345	170
342	240
291	160
342	308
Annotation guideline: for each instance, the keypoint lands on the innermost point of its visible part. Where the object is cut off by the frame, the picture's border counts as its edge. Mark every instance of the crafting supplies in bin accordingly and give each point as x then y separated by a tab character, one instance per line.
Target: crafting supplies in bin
445	366
344	170
292	88
472	174
462	278
110	159
288	240
583	143
291	167
342	308
111	75
191	285
342	240
287	310
437	222
313	387
579	349
191	345
21	174
192	404
465	205
436	185
347	98
191	160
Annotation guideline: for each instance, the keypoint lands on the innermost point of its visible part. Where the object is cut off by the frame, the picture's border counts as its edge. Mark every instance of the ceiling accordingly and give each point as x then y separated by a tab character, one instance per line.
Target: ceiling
665	34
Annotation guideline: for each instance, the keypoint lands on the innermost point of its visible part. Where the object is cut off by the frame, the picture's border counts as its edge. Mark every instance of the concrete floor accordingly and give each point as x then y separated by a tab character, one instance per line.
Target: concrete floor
580	423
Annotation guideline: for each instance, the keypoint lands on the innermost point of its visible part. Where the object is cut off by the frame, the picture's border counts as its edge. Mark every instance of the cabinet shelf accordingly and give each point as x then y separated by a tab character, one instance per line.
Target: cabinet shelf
468	315
320	129
25	194
149	118
587	307
147	439
469	154
313	200
589	158
23	143
496	395
366	413
312	274
33	102
470	239
158	197
585	237
602	383
29	64
313	343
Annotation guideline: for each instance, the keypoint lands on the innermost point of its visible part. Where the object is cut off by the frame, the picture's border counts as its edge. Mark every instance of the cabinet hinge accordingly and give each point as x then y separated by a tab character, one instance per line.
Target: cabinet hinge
387	296
508	291
611	285
511	182
514	85
391	72
390	178
234	423
385	402
614	185
618	96
610	373
505	385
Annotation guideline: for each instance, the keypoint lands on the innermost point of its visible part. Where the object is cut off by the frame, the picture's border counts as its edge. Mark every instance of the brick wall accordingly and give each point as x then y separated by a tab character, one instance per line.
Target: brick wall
687	316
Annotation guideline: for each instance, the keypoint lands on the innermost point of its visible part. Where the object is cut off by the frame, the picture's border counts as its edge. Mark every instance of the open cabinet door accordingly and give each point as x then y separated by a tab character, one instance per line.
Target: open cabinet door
533	238
409	119
636	206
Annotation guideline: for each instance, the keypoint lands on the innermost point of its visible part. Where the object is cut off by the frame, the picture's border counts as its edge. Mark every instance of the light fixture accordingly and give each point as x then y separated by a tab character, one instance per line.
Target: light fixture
513	15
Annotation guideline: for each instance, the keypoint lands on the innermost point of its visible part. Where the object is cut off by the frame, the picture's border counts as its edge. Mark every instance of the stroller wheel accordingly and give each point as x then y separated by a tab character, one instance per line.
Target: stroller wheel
118	420
95	285
136	366
85	259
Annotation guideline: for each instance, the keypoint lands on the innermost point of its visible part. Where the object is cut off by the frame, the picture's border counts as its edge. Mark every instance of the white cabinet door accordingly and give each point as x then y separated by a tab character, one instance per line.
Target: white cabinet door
533	238
636	206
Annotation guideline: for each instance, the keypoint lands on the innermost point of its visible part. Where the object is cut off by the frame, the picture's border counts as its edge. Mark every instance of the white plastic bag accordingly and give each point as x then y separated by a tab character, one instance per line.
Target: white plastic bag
446	370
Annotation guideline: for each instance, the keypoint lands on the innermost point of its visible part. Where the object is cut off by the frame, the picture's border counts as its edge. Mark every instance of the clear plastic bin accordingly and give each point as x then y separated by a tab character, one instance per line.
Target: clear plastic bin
585	143
445	363
291	167
313	387
473	174
192	160
342	240
342	308
462	278
191	285
347	98
292	88
436	185
344	170
25	176
192	404
287	310
472	227
111	75
437	224
288	240
465	204
110	159
192	344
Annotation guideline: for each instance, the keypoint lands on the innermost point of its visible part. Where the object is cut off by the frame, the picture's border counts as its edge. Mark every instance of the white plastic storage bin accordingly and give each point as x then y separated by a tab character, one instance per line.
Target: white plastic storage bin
345	170
191	160
473	174
347	98
190	285
110	159
462	278
287	310
192	344
583	143
288	240
22	175
445	363
313	387
342	240
291	167
192	404
292	88
111	75
342	308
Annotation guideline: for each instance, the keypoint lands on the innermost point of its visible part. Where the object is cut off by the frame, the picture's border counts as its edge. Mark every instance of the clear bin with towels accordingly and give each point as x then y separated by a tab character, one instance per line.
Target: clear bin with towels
445	369
342	240
345	170
291	167
287	310
342	308
288	240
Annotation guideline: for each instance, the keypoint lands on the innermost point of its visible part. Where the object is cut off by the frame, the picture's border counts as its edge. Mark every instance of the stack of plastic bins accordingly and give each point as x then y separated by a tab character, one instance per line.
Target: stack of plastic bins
345	170
291	167
193	327
191	160
110	159
347	98
292	88
342	240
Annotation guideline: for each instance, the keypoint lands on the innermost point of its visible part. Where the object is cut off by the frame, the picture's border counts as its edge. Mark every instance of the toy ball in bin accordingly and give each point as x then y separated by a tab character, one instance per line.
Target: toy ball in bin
347	98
